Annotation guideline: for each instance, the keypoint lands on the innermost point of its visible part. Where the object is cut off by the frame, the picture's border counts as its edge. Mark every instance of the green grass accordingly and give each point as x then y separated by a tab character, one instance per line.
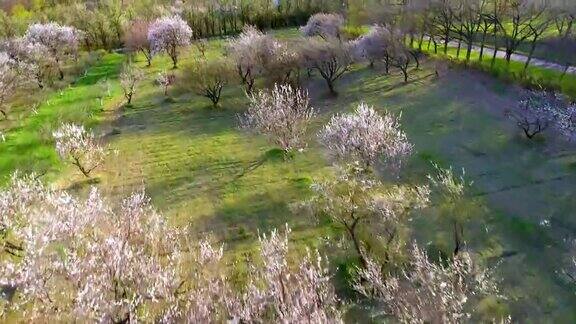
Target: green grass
511	71
202	171
29	147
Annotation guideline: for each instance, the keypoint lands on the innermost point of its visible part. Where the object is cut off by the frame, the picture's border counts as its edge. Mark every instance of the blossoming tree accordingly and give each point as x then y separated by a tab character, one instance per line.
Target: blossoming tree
366	137
79	147
86	259
282	113
323	25
169	34
60	41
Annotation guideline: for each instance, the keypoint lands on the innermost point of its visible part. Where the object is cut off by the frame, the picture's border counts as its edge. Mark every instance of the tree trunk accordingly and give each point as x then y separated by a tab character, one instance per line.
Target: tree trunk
357	246
420	41
495	50
330	84
458	48
508	55
531	53
564	72
468	51
174	61
482	44
457	239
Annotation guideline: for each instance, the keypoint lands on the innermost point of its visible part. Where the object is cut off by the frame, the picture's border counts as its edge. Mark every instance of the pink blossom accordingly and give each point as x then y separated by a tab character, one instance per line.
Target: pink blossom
169	34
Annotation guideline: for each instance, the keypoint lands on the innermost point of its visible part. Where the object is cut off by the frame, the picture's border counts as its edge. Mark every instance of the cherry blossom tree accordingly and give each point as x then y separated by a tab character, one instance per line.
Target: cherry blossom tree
427	292
86	259
251	51
78	146
13	75
165	80
331	58
374	46
60	41
33	58
130	76
168	34
323	25
360	204
291	295
136	39
539	110
284	65
283	114
365	136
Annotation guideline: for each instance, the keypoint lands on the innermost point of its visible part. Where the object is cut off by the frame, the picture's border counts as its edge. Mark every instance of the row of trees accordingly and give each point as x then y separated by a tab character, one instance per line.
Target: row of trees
504	25
34	57
105	22
255	54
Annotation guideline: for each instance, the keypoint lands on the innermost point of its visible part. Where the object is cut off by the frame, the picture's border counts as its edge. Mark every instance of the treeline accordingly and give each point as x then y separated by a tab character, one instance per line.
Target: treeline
506	25
104	21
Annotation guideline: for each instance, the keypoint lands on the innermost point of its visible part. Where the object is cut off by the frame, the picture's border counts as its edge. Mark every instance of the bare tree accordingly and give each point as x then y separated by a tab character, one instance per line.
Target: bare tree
518	22
208	77
468	19
331	58
136	39
283	114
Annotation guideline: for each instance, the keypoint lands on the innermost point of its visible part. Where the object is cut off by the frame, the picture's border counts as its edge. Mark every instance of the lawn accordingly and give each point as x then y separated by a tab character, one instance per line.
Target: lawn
29	147
202	171
510	71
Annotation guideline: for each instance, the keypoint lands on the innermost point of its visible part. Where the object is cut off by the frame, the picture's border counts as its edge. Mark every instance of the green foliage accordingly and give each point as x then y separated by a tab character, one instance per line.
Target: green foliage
353	32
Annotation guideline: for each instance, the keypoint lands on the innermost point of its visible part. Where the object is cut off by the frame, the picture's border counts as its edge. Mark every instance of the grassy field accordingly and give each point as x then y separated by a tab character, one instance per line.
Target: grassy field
510	71
202	171
29	146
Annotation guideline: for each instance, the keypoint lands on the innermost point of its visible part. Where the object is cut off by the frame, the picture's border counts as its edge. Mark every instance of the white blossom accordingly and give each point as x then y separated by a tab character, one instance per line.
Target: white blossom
323	25
282	113
251	51
374	46
87	260
60	41
427	292
365	136
168	34
79	147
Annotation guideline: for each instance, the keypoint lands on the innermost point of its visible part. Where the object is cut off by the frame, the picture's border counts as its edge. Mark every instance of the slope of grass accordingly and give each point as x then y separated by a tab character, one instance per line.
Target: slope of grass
203	172
28	146
511	71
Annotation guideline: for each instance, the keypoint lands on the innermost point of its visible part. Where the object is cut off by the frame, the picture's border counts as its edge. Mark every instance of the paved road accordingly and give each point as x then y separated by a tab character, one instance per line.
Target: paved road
488	52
